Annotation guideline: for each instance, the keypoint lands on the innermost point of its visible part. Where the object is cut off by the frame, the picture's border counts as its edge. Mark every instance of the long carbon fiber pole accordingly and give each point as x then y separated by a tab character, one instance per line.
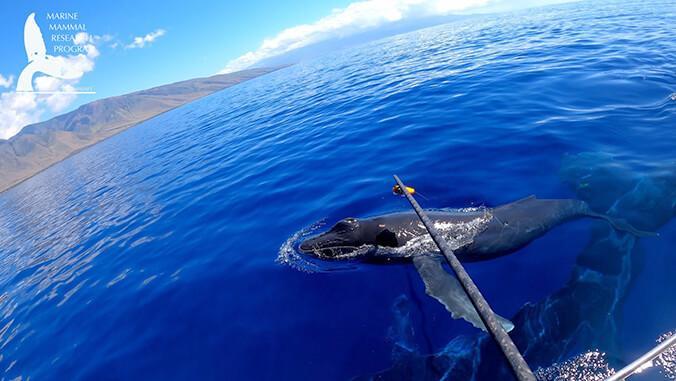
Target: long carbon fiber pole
518	364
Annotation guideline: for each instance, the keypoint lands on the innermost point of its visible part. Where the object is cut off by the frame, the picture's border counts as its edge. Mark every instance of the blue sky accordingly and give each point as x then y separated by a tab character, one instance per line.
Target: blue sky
178	40
201	36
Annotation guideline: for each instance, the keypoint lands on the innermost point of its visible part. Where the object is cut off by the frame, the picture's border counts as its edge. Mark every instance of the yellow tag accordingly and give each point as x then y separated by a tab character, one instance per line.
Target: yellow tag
397	190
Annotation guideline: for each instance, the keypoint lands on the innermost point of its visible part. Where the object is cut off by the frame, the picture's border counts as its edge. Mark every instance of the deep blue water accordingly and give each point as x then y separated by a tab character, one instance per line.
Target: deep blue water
153	254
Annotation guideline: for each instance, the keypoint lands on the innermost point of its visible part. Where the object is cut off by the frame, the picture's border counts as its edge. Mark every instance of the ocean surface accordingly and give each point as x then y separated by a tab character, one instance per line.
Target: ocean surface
167	251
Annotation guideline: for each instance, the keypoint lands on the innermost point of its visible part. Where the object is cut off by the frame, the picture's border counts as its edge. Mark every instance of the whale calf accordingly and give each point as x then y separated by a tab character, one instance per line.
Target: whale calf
475	234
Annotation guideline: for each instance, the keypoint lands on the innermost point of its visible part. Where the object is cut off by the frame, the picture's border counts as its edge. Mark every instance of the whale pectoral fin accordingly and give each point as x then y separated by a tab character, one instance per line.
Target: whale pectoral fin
445	288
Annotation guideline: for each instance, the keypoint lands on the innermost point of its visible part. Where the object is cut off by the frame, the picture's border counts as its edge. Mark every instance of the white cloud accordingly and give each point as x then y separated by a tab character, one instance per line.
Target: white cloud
18	110
6	82
356	17
140	42
58	101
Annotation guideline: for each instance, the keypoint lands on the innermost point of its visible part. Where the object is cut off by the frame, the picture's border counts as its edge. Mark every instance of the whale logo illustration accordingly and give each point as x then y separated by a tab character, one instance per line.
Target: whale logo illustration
38	59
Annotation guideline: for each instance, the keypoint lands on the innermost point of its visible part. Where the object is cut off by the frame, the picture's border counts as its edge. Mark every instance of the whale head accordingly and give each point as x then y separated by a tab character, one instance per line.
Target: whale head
341	240
351	238
347	239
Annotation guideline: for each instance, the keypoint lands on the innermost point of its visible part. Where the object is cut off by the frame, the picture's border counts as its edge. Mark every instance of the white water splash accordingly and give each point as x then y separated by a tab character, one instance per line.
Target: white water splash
588	366
456	234
593	366
667	360
289	255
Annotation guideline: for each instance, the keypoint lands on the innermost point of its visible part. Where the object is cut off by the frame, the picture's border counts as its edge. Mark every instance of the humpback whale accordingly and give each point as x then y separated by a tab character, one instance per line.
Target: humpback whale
475	234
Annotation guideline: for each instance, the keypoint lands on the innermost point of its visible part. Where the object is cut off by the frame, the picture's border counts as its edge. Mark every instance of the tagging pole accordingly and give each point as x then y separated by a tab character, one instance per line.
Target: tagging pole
519	366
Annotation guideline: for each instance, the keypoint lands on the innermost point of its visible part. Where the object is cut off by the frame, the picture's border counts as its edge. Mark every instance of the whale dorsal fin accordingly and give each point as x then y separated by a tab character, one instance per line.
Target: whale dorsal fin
527	198
443	287
32	39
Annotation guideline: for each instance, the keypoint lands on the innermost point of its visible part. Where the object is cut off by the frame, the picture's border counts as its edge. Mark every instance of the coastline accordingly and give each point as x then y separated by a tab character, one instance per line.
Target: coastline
93	143
48	143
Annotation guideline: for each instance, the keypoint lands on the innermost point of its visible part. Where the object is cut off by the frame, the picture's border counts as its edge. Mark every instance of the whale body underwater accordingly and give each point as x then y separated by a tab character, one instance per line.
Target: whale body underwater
478	234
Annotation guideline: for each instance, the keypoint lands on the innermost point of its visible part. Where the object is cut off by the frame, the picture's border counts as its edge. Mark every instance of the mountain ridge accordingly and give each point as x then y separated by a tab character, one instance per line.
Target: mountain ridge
39	146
